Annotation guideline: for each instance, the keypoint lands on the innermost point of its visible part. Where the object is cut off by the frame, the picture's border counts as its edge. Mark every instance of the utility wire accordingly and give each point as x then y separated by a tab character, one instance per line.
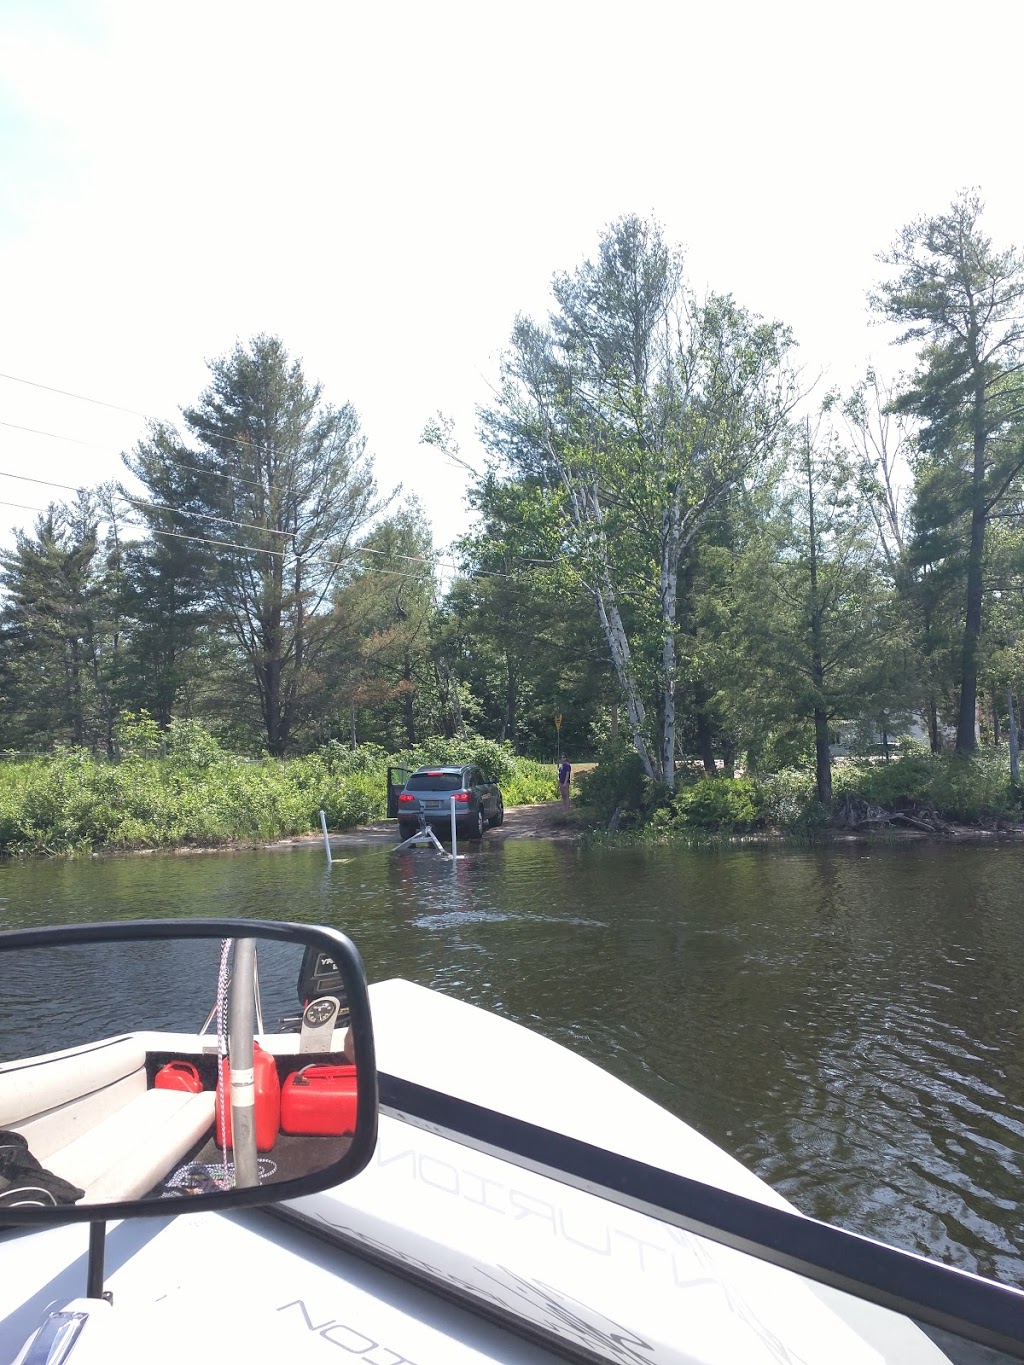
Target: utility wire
250	526
74	440
227	544
82	398
156	421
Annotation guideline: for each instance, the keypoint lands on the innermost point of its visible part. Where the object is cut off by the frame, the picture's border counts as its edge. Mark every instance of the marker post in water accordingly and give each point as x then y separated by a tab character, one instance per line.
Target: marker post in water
327	842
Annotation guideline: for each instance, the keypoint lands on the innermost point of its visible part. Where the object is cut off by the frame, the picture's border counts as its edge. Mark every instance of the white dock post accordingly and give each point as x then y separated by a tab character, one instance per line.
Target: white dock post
455	843
327	842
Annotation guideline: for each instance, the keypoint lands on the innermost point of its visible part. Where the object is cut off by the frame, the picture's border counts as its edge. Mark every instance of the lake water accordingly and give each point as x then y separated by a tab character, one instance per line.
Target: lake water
846	1021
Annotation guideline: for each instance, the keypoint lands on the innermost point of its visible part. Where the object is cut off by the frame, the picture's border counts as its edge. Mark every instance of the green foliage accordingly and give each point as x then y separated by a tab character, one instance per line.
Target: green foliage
618	783
195	794
722	803
787	798
188	745
138	735
955	787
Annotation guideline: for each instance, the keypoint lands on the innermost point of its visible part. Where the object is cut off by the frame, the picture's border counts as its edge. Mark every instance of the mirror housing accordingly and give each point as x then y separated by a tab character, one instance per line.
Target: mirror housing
116	1103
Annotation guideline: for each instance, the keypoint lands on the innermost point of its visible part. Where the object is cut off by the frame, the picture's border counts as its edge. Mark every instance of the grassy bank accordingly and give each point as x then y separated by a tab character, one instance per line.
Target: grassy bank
181	789
916	790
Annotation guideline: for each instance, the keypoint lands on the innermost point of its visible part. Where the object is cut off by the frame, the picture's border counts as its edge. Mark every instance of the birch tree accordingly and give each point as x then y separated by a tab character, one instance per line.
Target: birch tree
640	410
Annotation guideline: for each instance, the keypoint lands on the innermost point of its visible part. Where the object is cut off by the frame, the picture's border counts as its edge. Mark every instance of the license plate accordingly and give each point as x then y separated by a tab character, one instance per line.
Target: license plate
434	805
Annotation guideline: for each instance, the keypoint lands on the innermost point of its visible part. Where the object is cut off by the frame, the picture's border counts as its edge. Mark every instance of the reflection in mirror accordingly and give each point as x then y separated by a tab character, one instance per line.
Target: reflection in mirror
163	1068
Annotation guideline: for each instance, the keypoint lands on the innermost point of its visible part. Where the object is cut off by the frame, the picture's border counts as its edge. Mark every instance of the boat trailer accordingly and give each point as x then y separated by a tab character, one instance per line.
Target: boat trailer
425	837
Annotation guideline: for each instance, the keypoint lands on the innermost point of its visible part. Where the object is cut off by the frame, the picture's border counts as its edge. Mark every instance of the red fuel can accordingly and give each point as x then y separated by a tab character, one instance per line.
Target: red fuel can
178	1076
319	1100
268	1101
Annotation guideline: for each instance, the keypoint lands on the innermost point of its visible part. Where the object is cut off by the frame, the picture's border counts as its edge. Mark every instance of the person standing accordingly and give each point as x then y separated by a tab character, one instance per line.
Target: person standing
564	775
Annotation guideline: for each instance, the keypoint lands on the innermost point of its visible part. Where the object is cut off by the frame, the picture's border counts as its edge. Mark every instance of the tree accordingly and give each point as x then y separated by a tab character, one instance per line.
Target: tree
271	496
166	594
965	302
49	633
518	626
643	411
811	609
378	671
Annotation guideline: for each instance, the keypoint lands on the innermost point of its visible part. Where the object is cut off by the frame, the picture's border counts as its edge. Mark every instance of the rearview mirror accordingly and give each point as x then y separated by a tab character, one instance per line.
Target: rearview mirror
148	1065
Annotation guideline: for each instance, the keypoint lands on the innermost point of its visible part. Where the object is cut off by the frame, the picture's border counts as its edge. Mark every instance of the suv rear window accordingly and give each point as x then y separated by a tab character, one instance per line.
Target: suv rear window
434	782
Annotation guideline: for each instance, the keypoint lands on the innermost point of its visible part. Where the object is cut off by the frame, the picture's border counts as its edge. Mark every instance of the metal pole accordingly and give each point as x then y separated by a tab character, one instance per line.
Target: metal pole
455	842
327	842
94	1274
241	1017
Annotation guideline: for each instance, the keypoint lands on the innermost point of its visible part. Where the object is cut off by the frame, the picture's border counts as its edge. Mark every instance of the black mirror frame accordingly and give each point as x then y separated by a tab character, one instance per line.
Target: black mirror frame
331	941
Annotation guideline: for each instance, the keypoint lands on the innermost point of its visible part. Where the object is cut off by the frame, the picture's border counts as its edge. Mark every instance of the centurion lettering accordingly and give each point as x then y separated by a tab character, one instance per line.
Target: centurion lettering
349	1339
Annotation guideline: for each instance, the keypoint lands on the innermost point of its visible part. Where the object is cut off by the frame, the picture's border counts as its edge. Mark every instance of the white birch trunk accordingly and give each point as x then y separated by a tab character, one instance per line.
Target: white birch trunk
669	580
615	634
587	514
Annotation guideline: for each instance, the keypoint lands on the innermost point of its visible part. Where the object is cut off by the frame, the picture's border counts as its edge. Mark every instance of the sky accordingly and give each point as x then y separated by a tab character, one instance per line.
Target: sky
386	186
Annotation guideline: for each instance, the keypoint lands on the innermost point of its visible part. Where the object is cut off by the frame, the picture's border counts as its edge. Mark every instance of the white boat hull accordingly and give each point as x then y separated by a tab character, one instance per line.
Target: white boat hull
555	1268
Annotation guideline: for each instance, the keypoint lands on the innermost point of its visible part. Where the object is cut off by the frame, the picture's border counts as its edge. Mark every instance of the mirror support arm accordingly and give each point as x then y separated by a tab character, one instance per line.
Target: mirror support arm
97	1248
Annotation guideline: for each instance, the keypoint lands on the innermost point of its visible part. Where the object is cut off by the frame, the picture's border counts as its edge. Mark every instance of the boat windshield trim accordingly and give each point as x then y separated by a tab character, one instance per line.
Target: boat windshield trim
944	1296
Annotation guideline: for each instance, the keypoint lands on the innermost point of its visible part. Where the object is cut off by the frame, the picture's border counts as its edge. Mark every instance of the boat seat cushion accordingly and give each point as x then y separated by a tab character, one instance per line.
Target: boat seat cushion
133	1149
40	1084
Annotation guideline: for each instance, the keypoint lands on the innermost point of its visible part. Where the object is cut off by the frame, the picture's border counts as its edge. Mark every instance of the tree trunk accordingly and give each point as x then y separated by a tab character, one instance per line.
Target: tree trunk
272	707
729	759
704	744
996	730
408	697
822	750
822	757
967	722
669	600
1014	740
615	634
511	725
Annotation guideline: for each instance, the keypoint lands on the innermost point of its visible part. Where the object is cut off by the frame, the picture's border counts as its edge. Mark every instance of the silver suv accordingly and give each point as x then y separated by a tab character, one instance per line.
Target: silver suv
429	792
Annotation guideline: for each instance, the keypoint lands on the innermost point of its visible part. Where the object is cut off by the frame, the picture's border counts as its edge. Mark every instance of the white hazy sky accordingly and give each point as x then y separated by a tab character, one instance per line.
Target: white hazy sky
385	185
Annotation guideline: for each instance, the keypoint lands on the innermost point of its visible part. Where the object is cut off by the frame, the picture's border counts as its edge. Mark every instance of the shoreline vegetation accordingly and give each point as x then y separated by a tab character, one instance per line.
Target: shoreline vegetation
180	790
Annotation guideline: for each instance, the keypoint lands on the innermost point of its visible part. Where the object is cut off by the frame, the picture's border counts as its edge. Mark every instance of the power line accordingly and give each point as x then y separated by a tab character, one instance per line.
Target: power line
81	397
227	544
196	469
156	421
35	431
244	525
47	483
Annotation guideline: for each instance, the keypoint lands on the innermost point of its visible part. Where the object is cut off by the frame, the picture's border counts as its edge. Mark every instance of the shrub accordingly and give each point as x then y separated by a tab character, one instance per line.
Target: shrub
618	783
955	787
723	803
785	799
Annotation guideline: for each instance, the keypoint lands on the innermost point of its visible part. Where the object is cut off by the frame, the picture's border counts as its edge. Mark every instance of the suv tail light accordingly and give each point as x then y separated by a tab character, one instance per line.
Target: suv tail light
406	799
461	796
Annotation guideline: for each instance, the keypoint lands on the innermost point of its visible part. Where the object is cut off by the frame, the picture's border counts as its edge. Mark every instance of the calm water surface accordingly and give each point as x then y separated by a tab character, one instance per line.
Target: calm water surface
848	1022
